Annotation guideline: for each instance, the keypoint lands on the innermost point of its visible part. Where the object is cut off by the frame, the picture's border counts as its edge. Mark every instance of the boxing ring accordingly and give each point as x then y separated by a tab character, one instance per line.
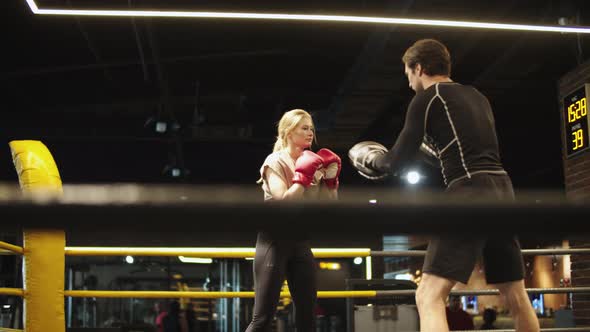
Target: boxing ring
136	209
45	211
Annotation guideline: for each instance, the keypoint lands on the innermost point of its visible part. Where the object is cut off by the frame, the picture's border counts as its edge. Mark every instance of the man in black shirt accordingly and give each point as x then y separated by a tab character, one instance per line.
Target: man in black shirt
455	125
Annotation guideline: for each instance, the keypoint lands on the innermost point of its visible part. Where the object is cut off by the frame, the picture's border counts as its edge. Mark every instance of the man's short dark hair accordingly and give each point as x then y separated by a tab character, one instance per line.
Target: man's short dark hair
432	55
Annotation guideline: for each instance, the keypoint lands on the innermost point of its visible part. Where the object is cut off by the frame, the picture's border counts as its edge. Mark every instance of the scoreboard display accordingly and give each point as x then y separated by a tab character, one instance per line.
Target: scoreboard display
575	119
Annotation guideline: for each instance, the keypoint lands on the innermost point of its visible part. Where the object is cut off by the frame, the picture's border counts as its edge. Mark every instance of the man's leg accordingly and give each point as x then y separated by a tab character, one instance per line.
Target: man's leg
431	299
505	270
449	259
517	299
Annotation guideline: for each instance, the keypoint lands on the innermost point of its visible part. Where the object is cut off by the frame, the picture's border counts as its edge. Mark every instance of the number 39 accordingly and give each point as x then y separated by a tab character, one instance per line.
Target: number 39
578	139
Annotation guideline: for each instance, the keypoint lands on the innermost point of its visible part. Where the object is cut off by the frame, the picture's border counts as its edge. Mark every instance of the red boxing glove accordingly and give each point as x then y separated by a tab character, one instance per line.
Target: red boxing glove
305	167
332	166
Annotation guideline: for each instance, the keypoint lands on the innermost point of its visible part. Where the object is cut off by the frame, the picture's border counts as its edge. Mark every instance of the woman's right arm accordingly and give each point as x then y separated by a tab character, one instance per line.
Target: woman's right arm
278	187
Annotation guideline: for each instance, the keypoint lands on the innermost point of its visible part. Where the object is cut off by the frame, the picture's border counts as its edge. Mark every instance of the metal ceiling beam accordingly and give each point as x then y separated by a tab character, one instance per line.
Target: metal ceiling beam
139	47
116	64
91	46
374	47
509	53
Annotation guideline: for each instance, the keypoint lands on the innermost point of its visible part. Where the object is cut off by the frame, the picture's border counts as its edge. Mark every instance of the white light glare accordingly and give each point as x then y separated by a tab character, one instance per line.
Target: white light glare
369	268
413	177
373	201
195	260
358	260
404	276
161	127
129	259
300	17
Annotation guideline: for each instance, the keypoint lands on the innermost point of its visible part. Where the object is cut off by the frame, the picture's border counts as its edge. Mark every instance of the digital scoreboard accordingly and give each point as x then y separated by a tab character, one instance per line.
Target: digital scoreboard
575	119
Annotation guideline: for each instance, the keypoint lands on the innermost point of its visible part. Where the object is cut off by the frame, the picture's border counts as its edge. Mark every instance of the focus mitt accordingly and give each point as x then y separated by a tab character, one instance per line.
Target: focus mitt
362	156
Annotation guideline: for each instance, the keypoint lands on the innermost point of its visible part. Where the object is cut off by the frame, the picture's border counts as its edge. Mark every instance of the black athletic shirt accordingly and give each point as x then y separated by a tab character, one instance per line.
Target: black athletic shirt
456	122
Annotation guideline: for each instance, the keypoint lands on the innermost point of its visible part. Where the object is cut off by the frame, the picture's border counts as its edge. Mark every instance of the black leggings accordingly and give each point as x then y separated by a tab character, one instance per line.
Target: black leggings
275	260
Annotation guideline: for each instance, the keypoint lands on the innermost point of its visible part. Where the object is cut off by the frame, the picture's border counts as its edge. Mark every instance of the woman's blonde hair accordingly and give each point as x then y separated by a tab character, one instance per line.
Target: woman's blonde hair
289	121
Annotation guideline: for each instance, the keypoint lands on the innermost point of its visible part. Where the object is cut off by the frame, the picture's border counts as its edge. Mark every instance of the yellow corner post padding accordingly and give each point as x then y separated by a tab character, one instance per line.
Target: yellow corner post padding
44	266
35	166
44	259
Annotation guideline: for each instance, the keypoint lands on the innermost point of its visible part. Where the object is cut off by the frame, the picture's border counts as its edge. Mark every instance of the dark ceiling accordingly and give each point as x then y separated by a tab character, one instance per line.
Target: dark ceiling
90	87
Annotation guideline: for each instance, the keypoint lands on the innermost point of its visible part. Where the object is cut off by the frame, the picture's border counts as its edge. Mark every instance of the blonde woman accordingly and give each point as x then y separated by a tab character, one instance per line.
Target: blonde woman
291	172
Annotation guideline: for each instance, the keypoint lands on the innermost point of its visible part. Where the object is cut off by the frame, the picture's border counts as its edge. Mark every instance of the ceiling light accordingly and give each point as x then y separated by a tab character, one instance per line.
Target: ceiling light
301	17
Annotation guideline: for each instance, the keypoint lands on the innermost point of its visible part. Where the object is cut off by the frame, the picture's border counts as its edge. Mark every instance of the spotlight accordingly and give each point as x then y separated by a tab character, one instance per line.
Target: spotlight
413	177
174	171
129	259
358	260
161	127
